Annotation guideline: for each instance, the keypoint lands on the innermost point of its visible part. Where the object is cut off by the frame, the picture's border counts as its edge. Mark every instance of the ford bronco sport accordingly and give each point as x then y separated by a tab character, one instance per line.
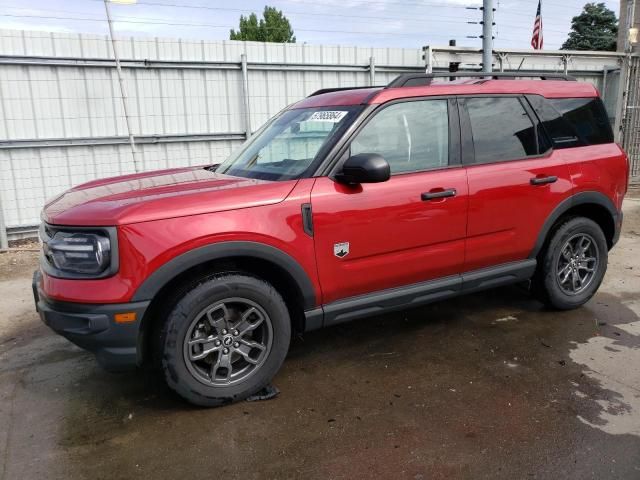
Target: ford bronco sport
349	203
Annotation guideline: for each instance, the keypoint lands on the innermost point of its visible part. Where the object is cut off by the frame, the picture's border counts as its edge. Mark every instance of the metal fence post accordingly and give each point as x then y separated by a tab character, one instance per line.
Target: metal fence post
4	241
428	58
565	63
245	94
501	59
372	71
623	82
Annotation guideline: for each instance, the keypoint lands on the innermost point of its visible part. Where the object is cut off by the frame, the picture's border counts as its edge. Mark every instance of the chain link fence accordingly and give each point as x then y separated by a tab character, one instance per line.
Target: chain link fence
631	118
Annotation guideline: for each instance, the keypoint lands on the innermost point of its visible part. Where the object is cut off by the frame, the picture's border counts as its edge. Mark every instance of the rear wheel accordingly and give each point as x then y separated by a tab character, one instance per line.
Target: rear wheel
573	265
225	339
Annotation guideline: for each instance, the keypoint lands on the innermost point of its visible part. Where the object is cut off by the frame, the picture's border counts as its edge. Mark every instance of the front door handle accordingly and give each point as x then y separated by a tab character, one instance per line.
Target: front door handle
543	180
450	192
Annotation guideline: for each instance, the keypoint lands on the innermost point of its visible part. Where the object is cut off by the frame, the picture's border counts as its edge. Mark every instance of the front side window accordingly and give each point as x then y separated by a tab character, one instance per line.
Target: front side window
291	144
501	129
410	136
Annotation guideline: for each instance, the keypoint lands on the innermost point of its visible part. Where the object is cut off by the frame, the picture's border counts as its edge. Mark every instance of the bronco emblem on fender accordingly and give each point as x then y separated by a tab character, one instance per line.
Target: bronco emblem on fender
341	250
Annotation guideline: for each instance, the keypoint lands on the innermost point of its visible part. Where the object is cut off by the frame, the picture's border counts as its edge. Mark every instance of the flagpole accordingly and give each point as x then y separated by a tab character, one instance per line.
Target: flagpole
541	27
537	37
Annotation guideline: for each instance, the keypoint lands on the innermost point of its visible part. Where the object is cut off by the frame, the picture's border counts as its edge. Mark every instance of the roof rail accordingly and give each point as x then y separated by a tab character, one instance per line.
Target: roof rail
418	79
339	89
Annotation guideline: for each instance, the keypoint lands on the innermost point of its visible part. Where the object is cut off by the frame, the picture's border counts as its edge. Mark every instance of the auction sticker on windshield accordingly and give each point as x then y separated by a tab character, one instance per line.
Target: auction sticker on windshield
328	116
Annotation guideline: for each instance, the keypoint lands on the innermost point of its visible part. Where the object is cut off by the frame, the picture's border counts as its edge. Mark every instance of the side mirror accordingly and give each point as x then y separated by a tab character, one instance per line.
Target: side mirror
364	168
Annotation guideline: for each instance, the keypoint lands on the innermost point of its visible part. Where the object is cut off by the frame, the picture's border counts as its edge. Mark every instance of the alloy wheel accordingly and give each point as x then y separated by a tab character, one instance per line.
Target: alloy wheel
577	264
227	342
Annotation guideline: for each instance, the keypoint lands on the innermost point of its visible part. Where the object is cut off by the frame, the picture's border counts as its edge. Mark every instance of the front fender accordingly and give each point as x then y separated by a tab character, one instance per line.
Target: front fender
180	264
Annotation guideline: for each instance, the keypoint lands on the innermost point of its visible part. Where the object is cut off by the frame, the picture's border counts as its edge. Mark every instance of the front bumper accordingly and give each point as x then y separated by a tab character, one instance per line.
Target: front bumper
93	327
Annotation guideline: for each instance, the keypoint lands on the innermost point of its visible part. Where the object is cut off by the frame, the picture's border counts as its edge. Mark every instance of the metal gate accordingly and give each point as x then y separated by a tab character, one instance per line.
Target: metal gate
631	118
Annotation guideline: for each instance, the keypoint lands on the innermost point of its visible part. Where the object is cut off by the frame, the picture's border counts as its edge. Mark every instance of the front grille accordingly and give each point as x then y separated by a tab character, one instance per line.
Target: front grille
46	233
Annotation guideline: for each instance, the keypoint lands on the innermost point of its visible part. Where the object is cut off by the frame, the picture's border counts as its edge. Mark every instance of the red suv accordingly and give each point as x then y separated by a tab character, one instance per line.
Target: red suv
349	203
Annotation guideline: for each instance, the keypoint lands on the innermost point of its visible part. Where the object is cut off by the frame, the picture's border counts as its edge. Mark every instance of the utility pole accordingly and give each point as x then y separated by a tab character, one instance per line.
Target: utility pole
487	35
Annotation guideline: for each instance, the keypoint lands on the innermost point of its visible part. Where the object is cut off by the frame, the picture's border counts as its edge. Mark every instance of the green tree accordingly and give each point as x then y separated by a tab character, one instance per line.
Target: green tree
273	27
596	28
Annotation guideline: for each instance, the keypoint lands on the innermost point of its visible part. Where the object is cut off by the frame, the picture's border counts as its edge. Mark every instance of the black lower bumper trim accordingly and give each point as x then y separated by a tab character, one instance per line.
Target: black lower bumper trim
93	328
617	228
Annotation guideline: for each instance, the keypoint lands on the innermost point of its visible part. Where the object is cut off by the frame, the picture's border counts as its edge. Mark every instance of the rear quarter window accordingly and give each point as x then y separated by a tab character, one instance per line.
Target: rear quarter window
573	122
588	117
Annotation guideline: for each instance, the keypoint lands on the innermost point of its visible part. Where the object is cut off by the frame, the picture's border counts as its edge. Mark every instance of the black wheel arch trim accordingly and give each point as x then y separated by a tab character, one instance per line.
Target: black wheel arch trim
575	200
222	250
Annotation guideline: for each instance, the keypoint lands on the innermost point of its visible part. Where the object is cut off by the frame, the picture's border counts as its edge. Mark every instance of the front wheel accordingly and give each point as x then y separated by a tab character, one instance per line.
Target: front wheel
225	340
573	265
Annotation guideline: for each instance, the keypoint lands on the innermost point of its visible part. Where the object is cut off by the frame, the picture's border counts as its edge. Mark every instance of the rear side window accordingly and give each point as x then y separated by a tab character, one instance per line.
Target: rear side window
501	128
573	122
588	117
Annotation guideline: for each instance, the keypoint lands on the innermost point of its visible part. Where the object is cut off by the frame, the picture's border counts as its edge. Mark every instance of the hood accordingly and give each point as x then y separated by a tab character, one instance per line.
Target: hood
162	194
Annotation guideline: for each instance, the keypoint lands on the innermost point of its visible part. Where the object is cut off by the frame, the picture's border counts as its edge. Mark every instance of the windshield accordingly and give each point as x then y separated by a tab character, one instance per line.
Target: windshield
291	144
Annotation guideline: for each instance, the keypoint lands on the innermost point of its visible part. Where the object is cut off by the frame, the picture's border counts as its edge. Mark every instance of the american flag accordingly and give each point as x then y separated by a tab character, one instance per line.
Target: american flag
536	39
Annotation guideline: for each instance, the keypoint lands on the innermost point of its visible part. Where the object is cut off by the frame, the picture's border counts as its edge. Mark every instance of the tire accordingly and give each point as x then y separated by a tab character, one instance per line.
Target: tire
566	244
210	368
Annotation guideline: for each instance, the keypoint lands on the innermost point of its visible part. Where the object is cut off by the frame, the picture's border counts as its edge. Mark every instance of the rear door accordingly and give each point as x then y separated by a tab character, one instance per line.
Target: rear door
515	179
377	236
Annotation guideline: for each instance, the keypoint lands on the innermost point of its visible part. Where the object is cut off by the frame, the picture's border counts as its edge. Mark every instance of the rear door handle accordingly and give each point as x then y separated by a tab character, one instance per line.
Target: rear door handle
426	196
543	180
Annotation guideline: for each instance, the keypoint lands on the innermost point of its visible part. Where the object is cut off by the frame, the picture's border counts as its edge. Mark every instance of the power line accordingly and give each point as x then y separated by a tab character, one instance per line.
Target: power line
509	24
288	12
559	5
591	36
373	2
352	18
524	15
210	25
160	21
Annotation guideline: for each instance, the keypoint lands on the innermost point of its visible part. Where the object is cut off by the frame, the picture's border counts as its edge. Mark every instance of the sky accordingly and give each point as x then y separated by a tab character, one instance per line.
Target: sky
377	23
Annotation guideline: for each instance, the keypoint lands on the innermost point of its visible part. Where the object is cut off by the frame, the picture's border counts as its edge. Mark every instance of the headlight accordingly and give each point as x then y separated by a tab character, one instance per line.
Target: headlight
78	252
73	253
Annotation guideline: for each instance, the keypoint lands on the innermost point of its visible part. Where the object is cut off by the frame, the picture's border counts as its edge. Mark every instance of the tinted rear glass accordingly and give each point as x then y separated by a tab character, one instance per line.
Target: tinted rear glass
588	117
501	128
573	122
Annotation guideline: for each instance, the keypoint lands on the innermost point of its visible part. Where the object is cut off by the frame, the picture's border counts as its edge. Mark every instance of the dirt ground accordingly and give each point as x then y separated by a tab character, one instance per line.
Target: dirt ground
485	386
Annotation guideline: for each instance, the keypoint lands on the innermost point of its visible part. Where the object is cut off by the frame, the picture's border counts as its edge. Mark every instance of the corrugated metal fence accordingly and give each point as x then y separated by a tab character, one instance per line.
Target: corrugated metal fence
191	102
62	122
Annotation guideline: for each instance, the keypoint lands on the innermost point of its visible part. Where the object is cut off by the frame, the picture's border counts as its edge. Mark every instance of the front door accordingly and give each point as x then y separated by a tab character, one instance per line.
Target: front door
406	230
